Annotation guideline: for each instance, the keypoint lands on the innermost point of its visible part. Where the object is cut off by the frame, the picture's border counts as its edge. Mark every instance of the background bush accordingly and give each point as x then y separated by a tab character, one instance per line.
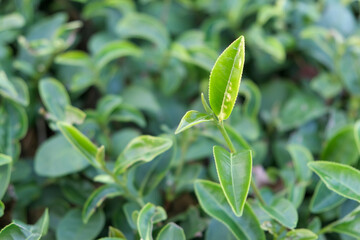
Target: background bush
118	69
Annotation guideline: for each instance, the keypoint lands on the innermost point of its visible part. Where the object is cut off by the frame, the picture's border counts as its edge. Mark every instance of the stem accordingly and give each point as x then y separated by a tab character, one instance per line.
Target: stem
220	126
128	194
257	192
223	131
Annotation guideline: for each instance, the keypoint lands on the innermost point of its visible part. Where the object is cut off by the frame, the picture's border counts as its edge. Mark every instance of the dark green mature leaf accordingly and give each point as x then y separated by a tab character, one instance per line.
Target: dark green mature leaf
234	172
340	178
114	50
144	148
5	172
97	198
349	225
192	118
55	97
301	234
324	199
80	142
149	215
341	147
71	226
19	231
225	79
143	26
66	161
283	211
171	231
214	203
217	230
301	156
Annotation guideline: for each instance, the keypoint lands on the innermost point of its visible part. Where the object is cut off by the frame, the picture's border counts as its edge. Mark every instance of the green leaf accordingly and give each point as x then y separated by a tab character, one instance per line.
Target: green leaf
74	115
128	113
106	106
283	211
71	226
50	162
234	172
18	230
80	142
206	105
301	234
149	215
73	58
192	118
324	199
341	147
115	50
349	225
97	198
171	231
214	203
144	148
143	26
340	178
55	97
301	156
225	79
252	95
2	207
216	230
15	90
114	232
5	172
357	135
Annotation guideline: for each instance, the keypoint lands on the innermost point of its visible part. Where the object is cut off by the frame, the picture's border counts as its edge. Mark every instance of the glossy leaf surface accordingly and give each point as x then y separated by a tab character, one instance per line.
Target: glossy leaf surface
214	203
144	148
192	118
283	211
225	79
171	231
234	172
340	178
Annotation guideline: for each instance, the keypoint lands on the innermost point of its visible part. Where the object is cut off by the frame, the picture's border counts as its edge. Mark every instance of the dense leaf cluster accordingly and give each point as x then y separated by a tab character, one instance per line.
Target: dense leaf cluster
96	140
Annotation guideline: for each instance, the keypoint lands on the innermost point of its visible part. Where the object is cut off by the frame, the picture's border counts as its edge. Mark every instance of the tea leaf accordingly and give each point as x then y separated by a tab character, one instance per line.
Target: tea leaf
144	148
340	178
301	234
96	199
15	90
214	203
234	171
149	215
349	225
283	211
5	171
225	79
324	199
301	156
192	118
171	231
73	58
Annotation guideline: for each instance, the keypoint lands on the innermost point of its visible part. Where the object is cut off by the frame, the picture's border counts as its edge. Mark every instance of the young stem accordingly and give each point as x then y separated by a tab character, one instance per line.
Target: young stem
223	131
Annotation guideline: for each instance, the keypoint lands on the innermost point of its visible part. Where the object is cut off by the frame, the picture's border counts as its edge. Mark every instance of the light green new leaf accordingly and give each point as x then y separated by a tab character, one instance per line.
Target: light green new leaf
214	203
283	211
301	156
340	178
80	142
71	226
149	215
192	118
143	26
66	161
73	58
144	148
114	50
225	79
171	231
116	233
2	207
349	224
97	198
324	199
5	171
357	135
15	90
234	172
55	97
341	147
301	234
